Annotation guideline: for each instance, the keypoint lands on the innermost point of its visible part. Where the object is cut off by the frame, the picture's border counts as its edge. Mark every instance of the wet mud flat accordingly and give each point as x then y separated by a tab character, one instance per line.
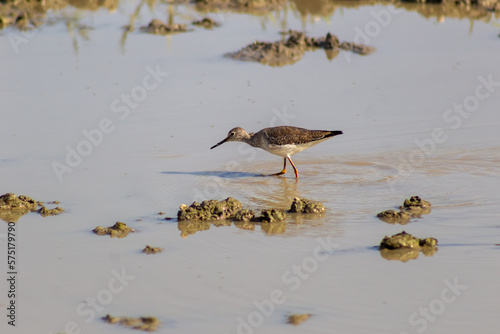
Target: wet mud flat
178	274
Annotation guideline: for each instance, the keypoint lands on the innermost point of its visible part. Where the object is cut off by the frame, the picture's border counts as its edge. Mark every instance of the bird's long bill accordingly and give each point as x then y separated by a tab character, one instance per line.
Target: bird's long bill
220	143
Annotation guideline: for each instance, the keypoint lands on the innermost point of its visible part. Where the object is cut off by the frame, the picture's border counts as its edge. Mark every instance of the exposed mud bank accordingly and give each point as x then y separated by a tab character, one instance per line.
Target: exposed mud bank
13	207
291	50
119	230
147	324
404	247
200	216
414	207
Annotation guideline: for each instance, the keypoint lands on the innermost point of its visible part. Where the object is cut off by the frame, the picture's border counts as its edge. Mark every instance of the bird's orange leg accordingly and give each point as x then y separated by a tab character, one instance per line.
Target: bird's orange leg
294	169
284	169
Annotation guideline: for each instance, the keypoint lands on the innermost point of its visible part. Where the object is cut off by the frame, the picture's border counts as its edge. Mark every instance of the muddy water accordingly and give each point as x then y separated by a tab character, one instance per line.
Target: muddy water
68	80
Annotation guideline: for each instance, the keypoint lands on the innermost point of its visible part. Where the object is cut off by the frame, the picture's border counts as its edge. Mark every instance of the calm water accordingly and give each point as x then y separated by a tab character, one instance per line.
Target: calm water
419	118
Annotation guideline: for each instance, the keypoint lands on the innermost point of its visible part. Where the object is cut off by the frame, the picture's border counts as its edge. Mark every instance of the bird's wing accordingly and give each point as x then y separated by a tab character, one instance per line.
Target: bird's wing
292	135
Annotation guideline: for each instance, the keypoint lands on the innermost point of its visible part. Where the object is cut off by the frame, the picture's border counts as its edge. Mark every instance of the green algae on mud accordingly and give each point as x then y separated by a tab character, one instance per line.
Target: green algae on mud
147	324
288	52
152	250
119	230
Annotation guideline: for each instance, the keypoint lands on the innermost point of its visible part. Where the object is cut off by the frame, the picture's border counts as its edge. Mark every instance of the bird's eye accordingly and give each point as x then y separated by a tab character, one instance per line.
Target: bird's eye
231	134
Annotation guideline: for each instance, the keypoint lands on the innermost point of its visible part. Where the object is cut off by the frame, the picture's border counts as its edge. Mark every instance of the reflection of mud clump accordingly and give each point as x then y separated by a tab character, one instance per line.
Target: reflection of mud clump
157	27
206	23
147	324
290	51
209	210
244	225
297	319
152	250
26	15
44	212
119	230
306	206
357	48
404	247
188	227
394	217
483	10
275	227
243	6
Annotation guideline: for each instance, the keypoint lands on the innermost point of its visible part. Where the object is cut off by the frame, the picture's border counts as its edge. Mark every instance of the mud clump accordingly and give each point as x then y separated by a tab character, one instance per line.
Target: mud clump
209	210
290	51
244	215
119	230
200	216
404	247
147	324
297	319
206	23
245	225
12	202
306	206
394	217
400	240
158	27
272	215
276	227
152	250
13	207
416	205
44	212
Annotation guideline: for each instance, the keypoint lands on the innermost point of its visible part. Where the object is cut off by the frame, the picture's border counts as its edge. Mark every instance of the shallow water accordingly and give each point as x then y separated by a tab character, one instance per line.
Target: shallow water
156	156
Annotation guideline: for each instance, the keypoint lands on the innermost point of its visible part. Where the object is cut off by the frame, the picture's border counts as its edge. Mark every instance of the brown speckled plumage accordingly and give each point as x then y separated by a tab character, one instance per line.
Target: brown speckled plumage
286	135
